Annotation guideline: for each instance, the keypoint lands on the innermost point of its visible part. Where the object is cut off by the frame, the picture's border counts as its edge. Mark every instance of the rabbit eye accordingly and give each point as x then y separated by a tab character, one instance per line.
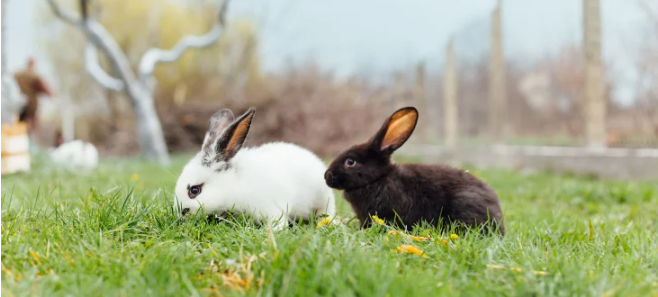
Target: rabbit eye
193	191
349	162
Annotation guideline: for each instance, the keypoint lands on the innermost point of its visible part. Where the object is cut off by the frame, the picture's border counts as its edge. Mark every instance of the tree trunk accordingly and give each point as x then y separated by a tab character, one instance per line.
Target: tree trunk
149	131
140	91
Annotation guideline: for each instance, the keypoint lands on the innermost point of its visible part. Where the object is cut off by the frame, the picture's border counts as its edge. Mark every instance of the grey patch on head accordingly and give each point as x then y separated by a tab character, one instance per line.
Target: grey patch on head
223	167
208	159
206	162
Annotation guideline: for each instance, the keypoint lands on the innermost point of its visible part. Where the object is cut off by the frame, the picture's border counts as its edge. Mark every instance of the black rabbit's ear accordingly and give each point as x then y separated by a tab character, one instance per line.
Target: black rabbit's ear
396	130
232	139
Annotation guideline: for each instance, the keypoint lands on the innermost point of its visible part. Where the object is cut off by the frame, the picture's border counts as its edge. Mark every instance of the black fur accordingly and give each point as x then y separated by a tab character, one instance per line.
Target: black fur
411	193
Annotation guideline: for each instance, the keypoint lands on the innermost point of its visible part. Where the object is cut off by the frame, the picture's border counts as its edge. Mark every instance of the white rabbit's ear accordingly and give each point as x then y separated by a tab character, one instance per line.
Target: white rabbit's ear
231	140
216	125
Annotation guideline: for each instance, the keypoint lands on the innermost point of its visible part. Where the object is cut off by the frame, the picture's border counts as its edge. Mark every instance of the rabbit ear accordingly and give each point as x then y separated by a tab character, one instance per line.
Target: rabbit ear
396	130
216	125
231	140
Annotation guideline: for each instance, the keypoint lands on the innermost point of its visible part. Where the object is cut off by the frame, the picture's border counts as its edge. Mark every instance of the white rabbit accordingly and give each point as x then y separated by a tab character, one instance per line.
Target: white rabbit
75	155
270	183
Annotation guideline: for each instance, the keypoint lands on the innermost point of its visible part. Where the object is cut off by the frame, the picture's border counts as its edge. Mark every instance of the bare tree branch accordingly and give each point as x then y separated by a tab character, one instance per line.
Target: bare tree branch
149	129
84	9
64	15
101	38
155	55
95	70
140	92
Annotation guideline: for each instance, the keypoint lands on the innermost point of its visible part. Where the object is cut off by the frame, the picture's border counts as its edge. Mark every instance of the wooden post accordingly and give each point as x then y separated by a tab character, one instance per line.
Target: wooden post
595	102
400	90
450	96
497	88
421	102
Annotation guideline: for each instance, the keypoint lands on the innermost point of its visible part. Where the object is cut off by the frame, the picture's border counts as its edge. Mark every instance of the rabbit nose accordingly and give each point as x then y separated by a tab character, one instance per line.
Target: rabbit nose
186	210
328	177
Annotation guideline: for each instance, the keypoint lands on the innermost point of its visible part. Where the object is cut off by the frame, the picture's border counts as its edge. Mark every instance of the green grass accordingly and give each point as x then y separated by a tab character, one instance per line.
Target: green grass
113	233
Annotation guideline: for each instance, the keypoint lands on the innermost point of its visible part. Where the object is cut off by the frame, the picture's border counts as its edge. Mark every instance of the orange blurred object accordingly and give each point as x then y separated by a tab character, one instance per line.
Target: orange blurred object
15	148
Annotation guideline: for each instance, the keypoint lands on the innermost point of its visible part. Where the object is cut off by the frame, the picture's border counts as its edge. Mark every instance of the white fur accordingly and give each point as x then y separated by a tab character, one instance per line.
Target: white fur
269	182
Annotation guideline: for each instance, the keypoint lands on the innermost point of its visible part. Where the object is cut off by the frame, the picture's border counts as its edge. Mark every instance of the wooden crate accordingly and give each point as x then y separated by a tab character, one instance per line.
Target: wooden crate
15	148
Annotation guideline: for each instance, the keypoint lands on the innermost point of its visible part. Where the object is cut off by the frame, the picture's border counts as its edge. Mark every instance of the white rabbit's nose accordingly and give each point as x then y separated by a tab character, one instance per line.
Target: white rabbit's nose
186	211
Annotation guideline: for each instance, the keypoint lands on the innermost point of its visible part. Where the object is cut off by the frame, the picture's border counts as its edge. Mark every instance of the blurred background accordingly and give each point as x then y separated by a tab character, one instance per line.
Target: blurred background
324	74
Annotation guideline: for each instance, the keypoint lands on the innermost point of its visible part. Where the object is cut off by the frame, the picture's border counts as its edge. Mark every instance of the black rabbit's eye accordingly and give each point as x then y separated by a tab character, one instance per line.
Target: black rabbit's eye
349	162
193	191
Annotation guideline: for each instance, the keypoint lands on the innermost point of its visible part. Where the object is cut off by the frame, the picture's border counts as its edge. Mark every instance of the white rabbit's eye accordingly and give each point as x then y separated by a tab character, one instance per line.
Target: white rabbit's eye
193	191
349	162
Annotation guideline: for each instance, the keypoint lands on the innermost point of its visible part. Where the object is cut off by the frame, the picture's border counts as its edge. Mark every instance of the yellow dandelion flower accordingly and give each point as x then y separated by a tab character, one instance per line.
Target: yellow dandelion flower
454	236
7	271
494	266
377	220
35	256
410	249
419	238
134	177
394	233
516	269
397	234
68	259
324	222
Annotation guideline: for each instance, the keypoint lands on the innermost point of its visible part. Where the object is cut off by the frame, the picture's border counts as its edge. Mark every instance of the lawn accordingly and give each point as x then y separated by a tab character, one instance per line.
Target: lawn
113	233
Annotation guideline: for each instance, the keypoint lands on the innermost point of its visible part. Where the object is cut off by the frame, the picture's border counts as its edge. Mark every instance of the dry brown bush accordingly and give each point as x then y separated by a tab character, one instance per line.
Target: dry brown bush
305	107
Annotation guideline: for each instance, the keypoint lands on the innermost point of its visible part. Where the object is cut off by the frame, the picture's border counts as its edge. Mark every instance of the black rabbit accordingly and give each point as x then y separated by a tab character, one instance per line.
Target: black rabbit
410	193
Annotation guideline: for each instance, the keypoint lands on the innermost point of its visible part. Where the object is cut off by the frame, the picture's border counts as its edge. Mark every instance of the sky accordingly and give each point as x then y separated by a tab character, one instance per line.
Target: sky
379	36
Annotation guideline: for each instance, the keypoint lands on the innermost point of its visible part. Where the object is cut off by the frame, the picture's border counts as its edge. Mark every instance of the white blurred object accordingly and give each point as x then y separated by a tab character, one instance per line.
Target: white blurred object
536	88
75	154
16	163
12	101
